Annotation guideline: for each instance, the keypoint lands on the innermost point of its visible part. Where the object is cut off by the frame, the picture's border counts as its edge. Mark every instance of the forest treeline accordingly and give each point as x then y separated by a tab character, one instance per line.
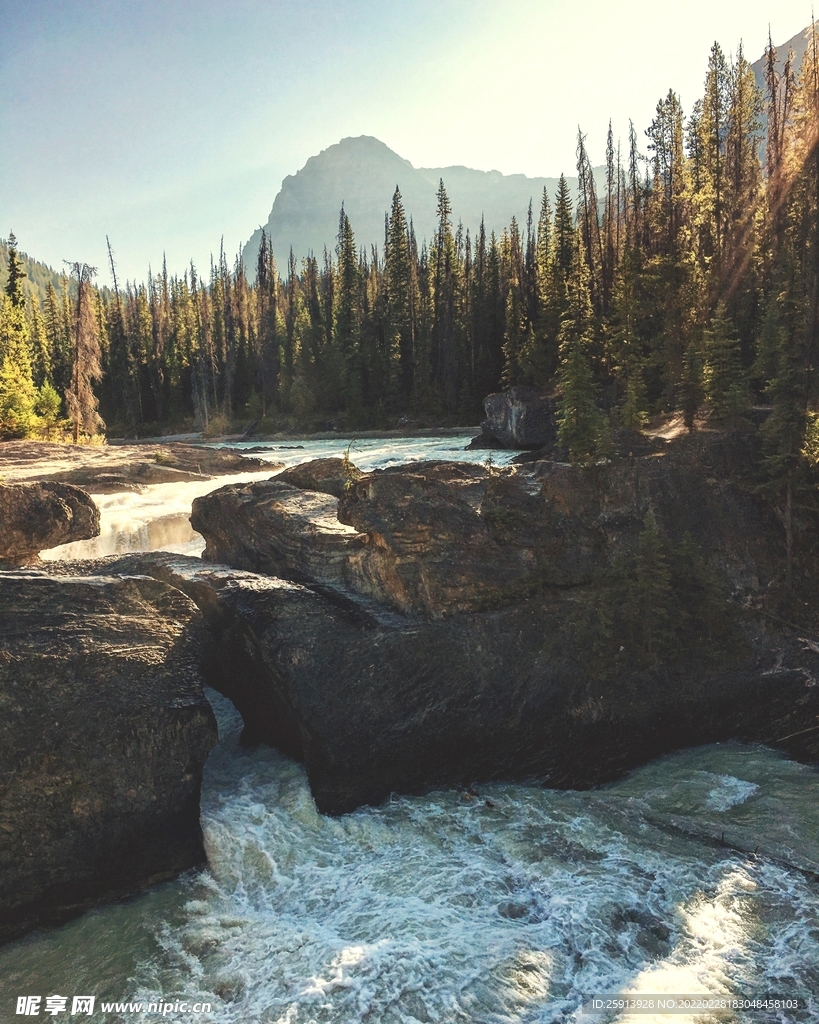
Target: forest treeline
687	277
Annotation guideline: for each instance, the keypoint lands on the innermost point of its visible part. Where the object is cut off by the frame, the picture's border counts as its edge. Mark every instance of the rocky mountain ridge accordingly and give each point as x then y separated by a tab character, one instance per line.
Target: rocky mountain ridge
362	173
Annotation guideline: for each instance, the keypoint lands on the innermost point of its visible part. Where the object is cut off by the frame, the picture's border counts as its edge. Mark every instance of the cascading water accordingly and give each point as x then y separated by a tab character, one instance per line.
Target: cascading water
513	903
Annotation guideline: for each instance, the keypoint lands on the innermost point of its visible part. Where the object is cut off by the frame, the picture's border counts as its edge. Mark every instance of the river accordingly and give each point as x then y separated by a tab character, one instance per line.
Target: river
510	903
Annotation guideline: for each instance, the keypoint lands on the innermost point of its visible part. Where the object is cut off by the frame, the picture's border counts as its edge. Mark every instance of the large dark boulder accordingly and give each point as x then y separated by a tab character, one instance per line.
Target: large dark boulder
521	417
38	516
550	621
375	703
103	735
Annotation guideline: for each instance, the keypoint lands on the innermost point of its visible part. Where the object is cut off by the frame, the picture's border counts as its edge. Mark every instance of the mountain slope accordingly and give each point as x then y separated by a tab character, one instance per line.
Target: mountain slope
38	275
362	173
797	43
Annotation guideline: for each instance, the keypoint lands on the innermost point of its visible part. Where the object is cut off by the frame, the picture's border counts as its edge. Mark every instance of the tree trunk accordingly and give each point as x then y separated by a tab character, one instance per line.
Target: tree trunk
789	532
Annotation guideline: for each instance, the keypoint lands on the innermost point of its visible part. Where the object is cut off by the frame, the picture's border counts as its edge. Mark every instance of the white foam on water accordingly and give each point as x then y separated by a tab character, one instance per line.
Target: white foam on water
729	792
512	906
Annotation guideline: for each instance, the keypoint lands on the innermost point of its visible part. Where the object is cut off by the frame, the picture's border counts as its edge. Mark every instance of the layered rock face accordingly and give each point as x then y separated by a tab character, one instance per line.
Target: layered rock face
376	703
551	621
438	538
38	516
103	736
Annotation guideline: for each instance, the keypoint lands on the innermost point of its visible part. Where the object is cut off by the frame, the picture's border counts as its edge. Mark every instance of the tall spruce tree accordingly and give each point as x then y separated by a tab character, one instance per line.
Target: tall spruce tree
582	427
398	277
14	284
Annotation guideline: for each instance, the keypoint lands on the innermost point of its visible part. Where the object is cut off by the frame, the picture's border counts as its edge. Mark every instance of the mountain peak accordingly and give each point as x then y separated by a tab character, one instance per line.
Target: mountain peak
362	172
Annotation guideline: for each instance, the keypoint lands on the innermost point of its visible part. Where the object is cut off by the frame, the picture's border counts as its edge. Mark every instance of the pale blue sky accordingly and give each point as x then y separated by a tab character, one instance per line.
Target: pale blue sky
169	123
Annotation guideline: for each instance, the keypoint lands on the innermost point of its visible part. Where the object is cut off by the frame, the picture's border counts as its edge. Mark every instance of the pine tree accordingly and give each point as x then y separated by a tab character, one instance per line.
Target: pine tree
589	222
691	388
725	385
444	365
582	427
564	232
398	279
713	129
14	285
17	391
80	399
347	313
516	321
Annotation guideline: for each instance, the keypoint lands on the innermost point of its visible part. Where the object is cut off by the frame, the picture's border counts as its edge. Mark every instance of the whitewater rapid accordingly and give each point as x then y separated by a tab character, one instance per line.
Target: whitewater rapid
512	903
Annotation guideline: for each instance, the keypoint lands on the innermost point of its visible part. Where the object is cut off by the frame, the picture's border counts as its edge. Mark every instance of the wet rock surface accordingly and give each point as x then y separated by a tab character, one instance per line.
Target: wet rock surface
103	735
38	516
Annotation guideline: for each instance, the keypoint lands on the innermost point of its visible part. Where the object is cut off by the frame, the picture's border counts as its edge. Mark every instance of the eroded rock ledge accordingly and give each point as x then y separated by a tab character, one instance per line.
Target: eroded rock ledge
375	703
103	735
106	468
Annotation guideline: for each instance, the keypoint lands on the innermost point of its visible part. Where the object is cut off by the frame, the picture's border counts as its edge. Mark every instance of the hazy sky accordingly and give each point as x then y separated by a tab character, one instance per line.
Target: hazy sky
169	123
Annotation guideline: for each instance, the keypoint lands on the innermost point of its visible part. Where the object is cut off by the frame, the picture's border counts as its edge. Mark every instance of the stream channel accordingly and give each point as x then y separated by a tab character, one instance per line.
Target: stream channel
512	903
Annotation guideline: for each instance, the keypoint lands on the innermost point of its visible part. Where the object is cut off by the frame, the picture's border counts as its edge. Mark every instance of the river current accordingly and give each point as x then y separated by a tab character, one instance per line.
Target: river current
508	903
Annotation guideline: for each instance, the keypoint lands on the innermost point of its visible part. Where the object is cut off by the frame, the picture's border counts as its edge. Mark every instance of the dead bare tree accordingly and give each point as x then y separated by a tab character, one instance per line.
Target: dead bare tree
80	398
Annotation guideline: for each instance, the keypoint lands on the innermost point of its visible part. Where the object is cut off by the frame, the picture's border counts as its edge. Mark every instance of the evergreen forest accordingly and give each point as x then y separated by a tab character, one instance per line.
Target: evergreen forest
687	280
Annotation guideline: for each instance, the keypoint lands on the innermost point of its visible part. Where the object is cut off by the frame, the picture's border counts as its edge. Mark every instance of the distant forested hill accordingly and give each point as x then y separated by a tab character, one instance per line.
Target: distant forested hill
38	275
362	173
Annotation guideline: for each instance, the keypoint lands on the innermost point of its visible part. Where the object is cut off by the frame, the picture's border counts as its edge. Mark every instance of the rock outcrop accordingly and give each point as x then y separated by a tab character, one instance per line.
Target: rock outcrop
103	735
435	539
375	703
327	476
520	417
35	517
557	622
